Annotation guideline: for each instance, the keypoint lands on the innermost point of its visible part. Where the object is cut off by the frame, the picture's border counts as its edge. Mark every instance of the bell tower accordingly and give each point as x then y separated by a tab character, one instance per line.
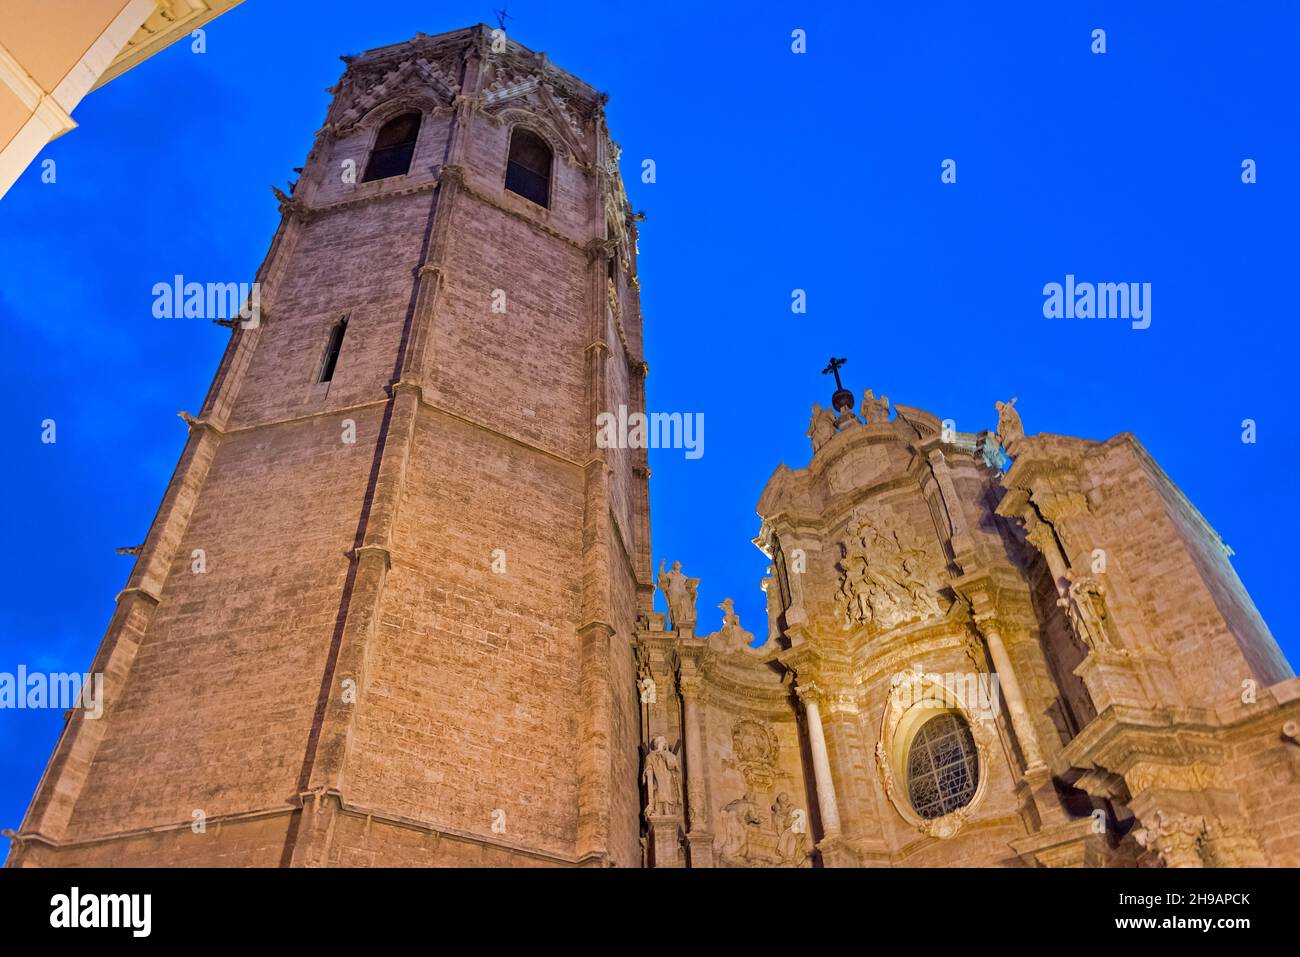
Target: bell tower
409	642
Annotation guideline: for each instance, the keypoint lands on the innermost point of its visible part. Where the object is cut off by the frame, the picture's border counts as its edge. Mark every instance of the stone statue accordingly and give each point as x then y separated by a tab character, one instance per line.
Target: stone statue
732	637
772	590
679	592
1085	604
822	428
874	410
1010	428
663	779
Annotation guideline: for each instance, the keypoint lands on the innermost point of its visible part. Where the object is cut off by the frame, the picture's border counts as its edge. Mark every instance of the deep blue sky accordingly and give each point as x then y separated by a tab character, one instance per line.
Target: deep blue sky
775	172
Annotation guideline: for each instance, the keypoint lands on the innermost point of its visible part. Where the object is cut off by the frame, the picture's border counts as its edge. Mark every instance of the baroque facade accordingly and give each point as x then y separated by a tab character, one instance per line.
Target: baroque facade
983	649
423	630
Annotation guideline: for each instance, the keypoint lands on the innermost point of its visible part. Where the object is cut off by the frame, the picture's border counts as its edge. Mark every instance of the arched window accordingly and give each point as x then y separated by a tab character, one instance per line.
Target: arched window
332	350
394	147
942	766
528	168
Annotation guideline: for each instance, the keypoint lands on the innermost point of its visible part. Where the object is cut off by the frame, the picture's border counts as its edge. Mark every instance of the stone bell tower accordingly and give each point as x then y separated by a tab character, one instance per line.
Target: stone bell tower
408	639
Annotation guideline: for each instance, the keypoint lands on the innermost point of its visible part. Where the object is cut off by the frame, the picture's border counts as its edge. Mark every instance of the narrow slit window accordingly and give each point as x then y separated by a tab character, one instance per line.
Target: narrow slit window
332	350
394	147
528	168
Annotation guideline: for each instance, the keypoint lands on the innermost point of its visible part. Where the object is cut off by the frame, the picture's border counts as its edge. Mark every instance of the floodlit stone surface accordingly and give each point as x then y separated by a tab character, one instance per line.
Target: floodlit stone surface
423	631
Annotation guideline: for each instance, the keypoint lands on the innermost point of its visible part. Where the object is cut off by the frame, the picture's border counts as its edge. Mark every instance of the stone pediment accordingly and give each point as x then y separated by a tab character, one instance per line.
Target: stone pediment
512	95
422	81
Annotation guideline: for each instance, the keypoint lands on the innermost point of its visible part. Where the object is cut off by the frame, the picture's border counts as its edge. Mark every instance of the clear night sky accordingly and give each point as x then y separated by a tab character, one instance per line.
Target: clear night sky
775	171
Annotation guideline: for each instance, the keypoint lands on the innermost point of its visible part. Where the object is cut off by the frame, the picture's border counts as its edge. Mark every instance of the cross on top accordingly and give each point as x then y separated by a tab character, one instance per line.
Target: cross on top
833	368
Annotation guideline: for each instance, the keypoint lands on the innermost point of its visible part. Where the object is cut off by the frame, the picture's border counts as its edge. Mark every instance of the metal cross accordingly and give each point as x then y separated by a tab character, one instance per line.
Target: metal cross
833	368
502	16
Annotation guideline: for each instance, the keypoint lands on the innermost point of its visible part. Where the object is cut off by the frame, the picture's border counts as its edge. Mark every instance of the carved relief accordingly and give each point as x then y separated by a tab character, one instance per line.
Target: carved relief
886	580
747	840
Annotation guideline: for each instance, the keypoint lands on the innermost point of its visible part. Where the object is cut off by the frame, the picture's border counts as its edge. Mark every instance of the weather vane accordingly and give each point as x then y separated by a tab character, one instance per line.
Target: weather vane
502	16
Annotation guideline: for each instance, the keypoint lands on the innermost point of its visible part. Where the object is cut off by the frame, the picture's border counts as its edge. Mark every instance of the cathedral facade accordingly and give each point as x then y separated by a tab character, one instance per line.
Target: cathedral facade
984	649
397	605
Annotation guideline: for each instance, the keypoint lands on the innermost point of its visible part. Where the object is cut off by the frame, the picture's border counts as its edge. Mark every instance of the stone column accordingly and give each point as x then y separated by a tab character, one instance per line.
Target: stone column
1011	693
811	695
699	835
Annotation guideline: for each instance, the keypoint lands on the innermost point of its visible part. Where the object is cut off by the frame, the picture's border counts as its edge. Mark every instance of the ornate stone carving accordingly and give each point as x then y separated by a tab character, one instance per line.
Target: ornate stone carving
679	592
423	81
754	752
886	580
822	428
1175	838
663	779
747	840
874	410
911	701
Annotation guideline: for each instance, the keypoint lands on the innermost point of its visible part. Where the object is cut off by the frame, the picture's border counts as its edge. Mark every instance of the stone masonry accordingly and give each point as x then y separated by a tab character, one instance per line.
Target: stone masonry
412	640
397	609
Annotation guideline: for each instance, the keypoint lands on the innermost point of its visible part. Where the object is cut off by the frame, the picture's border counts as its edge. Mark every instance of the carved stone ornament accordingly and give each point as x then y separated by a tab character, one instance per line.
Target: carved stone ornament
754	751
911	703
886	580
424	80
748	837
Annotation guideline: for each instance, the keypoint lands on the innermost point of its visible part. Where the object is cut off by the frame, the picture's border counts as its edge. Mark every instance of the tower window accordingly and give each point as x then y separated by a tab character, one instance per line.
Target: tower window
332	350
942	766
528	169
394	147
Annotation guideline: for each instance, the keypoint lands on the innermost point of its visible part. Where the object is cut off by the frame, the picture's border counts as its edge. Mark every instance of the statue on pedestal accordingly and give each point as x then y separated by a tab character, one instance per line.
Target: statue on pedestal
679	592
663	779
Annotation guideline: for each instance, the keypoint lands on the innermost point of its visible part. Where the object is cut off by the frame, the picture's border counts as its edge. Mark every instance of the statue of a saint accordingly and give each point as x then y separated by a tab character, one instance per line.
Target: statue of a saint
822	428
679	592
874	410
663	779
1085	604
1010	428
